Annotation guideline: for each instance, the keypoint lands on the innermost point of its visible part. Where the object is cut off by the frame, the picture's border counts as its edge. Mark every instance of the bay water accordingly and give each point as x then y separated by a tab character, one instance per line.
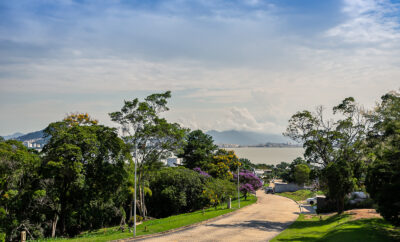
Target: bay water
266	155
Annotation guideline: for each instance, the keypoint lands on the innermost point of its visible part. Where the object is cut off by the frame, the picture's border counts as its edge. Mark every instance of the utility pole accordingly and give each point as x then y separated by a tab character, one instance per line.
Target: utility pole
134	203
238	187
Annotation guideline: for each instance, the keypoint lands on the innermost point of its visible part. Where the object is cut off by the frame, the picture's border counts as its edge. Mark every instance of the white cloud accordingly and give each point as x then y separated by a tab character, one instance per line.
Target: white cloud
369	21
227	68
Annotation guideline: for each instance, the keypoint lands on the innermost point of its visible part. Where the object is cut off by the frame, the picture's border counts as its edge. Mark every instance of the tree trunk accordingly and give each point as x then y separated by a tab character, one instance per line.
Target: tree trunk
340	205
131	208
54	225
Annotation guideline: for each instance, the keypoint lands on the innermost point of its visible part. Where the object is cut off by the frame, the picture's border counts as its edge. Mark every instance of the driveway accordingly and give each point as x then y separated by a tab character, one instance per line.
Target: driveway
258	222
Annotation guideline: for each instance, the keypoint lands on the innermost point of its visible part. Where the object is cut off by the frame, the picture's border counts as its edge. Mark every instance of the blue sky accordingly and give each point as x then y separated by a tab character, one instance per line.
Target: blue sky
246	65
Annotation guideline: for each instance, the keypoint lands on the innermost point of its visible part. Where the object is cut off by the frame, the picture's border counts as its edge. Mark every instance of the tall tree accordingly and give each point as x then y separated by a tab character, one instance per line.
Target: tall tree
331	143
301	174
383	177
84	169
19	187
149	137
198	150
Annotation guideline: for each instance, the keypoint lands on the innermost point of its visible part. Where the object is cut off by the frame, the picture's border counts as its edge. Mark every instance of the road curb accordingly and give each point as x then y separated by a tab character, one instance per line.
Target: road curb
155	235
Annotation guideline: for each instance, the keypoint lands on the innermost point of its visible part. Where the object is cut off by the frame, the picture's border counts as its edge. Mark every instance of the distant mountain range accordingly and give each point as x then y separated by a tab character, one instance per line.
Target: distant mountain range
243	138
31	136
33	139
13	136
246	137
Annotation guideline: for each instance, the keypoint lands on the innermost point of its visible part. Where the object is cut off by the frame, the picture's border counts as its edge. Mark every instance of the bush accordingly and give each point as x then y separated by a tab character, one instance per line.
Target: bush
176	190
218	191
138	219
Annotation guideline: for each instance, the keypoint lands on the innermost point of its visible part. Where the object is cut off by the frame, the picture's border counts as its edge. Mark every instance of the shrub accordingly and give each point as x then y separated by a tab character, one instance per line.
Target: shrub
175	190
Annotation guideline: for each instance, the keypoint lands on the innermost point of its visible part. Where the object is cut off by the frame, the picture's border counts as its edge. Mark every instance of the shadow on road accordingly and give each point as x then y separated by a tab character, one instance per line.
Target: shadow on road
256	224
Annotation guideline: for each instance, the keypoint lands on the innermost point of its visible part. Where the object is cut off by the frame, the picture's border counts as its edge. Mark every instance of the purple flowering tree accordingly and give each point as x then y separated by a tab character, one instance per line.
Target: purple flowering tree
201	172
249	182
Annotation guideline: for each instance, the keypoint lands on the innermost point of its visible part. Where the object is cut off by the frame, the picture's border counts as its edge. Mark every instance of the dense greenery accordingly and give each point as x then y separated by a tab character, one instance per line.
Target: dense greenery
357	151
383	179
83	179
198	150
176	190
148	136
300	195
338	228
83	172
20	189
336	146
158	225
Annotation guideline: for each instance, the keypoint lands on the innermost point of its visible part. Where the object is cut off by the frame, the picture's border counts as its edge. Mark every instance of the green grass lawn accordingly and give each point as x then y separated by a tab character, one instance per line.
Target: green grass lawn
300	195
158	225
339	228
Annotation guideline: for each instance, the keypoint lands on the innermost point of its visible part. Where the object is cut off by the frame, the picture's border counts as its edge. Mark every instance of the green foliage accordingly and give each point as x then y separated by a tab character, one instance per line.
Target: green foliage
334	146
217	191
148	136
198	150
247	165
175	190
338	228
338	177
19	181
223	163
300	195
158	225
383	178
301	174
83	168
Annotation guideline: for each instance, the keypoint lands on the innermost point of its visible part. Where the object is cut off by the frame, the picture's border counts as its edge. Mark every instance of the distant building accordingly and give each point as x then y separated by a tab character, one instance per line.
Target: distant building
262	172
173	161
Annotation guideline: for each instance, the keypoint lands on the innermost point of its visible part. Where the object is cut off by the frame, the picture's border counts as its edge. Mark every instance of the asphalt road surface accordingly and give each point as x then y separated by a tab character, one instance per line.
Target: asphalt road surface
259	222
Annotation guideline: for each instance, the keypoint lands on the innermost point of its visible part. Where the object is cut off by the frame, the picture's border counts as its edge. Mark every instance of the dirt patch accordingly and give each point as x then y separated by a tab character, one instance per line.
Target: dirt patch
363	213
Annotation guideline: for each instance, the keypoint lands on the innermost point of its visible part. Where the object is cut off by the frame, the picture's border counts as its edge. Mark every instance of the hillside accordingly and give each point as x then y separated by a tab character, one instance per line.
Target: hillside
13	136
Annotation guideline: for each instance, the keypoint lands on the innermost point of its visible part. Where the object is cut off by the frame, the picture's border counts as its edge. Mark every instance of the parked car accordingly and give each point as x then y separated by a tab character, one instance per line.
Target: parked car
269	190
312	200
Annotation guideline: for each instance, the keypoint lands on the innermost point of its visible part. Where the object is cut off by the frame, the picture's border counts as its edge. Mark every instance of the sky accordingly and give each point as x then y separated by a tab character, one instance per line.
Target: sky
243	65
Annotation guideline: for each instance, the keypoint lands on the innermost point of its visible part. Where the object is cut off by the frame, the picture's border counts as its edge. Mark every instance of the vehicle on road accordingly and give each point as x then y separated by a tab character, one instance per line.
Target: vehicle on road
269	190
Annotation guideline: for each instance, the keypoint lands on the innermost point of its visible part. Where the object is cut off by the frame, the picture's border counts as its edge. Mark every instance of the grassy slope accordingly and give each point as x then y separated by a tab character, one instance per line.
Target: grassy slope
299	195
339	228
158	225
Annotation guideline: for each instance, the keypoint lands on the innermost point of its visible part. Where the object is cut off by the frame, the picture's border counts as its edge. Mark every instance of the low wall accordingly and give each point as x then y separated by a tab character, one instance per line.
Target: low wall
286	187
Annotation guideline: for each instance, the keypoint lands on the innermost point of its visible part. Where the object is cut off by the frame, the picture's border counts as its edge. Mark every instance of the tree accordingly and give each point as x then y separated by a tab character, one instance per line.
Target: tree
217	191
19	188
223	164
383	177
149	137
246	164
175	190
282	170
198	149
84	168
331	143
302	174
249	182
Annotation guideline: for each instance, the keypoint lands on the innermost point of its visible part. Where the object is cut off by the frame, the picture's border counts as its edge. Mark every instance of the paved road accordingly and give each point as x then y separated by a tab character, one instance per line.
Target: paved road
259	222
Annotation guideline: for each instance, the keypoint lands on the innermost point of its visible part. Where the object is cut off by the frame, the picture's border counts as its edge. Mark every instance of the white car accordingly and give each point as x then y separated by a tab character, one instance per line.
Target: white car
312	200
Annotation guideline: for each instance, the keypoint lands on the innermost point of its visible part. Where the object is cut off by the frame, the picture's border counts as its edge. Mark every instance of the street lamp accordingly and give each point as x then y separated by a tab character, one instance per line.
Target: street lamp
238	186
134	203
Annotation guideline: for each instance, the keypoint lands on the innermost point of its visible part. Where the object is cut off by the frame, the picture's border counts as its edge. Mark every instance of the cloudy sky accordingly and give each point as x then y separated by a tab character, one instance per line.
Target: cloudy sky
245	65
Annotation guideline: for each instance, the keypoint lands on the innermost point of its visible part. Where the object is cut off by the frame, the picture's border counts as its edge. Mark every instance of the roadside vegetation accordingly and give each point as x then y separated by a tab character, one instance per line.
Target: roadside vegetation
339	227
84	178
158	225
300	195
